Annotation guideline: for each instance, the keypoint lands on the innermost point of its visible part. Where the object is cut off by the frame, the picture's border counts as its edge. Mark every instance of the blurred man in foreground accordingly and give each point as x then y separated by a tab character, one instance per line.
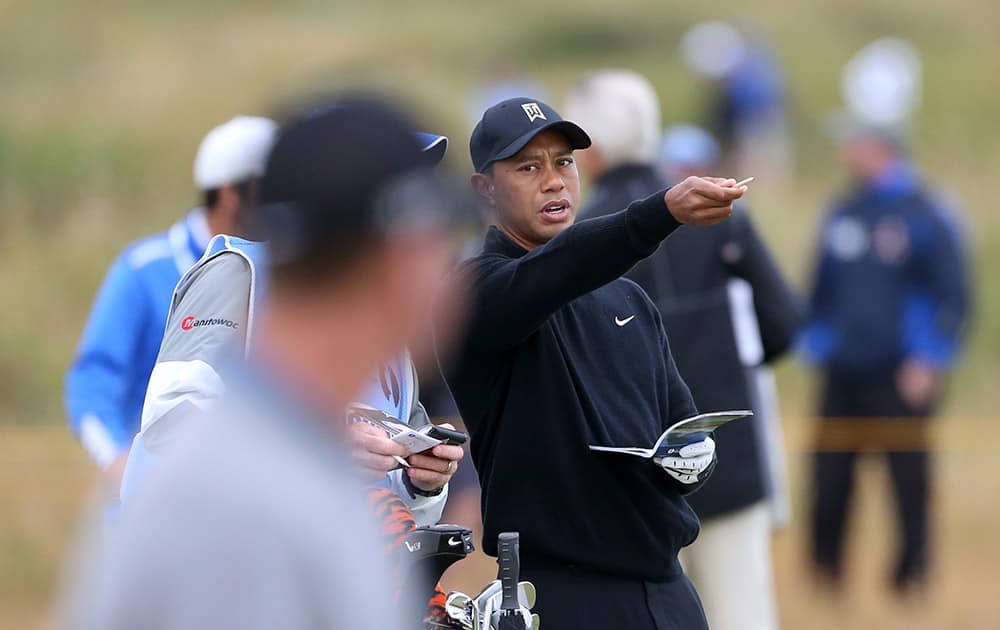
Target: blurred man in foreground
258	520
106	385
727	309
561	354
216	309
889	301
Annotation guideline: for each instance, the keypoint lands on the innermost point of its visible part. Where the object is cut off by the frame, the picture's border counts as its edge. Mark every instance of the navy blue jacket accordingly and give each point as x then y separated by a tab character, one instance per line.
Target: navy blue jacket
890	283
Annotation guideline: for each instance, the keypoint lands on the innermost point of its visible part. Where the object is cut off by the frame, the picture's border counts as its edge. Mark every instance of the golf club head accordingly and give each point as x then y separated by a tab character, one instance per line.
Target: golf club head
459	608
457	601
527	594
482	606
486	605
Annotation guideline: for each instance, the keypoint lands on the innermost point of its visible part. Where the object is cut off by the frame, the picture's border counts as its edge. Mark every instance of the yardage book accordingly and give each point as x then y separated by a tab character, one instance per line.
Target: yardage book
678	433
415	440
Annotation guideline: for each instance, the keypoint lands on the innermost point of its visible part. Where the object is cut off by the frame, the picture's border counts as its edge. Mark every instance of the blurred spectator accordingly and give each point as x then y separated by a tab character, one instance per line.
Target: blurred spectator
500	82
748	111
890	296
107	382
726	308
257	520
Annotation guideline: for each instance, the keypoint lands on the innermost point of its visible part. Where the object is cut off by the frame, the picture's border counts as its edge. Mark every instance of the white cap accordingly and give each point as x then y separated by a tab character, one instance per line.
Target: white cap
234	151
881	84
621	113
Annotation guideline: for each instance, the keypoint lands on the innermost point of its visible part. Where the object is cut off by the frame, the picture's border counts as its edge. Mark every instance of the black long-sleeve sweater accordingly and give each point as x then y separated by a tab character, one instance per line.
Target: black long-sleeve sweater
561	353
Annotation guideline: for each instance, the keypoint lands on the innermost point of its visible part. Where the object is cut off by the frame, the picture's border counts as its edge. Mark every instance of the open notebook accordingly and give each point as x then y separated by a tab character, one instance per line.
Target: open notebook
678	433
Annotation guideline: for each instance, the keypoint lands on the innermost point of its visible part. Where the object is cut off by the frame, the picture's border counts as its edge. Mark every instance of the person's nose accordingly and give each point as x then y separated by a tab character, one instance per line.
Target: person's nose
553	181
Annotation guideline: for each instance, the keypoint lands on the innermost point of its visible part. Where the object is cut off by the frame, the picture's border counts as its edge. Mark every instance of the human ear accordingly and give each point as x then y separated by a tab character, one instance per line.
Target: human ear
483	185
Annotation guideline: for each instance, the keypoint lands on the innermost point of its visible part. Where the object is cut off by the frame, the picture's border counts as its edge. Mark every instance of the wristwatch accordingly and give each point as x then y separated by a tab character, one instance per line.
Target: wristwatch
415	491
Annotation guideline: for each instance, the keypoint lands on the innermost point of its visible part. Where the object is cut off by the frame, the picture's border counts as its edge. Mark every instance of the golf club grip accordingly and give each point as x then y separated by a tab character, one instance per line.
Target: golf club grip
508	558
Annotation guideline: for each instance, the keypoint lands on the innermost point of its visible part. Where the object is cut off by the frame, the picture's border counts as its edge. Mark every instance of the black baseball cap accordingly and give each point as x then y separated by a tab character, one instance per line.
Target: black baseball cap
344	173
510	125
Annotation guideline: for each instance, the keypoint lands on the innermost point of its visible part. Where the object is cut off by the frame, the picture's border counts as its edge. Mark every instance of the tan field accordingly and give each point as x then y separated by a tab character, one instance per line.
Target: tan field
102	105
45	479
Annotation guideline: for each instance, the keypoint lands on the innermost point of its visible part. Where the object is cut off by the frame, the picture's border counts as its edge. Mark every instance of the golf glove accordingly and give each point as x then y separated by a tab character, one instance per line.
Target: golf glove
689	462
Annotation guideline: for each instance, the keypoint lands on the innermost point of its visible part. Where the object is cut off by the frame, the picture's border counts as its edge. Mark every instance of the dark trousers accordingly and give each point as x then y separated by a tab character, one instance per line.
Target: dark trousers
870	417
575	600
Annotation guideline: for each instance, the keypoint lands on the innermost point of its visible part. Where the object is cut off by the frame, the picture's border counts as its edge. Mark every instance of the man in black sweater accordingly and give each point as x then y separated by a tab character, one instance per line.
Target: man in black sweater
562	353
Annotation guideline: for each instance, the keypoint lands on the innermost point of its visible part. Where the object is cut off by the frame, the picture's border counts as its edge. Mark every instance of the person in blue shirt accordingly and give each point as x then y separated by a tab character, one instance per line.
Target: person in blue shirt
889	301
106	383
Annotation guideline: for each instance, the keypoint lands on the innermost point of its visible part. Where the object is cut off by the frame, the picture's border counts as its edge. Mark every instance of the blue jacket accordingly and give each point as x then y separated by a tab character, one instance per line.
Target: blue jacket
106	384
891	280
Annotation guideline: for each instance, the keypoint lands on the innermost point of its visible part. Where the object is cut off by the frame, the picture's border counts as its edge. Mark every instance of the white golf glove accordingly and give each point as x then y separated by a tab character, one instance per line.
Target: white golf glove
690	461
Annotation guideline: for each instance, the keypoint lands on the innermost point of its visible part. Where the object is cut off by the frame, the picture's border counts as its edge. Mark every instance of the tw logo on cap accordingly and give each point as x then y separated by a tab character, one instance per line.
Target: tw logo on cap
533	111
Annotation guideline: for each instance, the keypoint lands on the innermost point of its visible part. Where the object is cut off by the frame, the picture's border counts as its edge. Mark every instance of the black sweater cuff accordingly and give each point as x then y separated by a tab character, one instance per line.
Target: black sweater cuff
650	221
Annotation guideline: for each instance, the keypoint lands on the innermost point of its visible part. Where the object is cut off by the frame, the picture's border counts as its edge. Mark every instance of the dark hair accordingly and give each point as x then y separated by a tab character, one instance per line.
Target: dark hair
315	267
245	190
209	198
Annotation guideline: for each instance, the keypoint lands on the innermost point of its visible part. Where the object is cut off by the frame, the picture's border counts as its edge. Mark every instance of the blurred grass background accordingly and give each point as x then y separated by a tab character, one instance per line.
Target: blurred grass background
102	105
